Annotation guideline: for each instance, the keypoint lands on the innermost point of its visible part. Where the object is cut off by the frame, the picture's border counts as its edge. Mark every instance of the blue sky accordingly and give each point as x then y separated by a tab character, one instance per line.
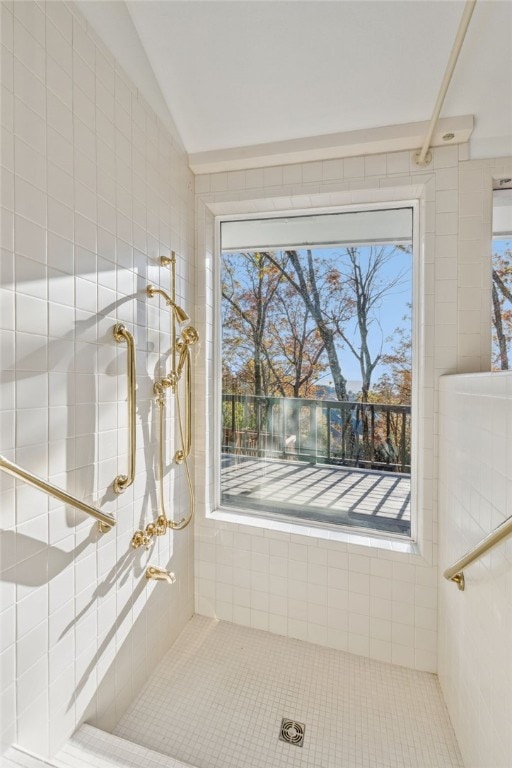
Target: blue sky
387	316
500	245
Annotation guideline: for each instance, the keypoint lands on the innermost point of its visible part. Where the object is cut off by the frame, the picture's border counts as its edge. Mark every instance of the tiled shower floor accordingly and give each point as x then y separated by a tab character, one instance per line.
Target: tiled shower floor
217	699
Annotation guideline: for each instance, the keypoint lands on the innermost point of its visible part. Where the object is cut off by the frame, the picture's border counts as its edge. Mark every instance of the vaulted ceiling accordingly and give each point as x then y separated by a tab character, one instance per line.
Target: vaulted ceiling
236	73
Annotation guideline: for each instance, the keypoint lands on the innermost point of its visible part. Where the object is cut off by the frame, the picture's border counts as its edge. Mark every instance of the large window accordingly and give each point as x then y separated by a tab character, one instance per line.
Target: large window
316	366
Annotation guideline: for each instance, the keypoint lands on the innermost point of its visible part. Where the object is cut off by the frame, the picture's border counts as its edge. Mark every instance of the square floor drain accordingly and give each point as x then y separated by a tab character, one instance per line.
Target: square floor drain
292	732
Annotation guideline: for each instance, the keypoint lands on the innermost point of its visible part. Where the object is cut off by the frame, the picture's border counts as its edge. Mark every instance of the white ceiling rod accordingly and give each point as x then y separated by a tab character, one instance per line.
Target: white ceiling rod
424	156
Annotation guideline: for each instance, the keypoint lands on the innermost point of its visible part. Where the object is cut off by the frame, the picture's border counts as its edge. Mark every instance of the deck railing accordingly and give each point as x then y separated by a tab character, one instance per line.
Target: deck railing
369	435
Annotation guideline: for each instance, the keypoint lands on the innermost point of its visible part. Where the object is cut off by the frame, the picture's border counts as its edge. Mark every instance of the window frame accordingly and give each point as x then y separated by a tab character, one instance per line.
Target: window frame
267	519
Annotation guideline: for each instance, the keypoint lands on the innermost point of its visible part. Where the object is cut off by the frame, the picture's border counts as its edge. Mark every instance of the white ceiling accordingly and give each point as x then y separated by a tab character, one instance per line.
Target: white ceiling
235	73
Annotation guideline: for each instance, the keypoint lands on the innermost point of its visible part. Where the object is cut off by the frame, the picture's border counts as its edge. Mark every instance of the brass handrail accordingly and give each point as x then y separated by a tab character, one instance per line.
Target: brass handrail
106	520
455	573
122	482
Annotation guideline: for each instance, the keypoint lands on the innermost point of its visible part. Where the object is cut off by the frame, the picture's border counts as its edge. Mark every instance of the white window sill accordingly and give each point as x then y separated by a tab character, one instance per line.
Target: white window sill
358	538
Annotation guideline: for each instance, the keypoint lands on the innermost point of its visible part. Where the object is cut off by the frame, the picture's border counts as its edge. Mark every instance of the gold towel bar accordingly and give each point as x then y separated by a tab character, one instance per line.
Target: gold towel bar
122	482
106	520
455	573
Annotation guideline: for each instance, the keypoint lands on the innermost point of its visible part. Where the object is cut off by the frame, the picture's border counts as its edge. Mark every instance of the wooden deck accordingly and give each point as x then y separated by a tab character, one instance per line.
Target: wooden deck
318	492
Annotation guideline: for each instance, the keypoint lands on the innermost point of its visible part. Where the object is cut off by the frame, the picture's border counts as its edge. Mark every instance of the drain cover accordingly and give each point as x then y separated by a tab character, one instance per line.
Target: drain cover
292	732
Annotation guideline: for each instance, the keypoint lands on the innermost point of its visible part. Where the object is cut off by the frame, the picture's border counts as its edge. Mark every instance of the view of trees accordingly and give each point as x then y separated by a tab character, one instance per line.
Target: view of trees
293	318
502	306
395	384
294	323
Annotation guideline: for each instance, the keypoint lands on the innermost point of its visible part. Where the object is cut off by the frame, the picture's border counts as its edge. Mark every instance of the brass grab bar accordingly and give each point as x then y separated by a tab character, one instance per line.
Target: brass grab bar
122	482
455	573
186	444
106	520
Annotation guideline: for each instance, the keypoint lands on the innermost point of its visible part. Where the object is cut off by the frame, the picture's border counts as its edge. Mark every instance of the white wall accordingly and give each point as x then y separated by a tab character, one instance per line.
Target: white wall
94	189
353	593
475	487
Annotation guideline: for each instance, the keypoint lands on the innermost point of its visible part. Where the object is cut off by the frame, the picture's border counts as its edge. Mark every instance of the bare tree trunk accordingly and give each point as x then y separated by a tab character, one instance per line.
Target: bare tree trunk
340	382
501	285
310	296
364	290
257	325
258	379
502	342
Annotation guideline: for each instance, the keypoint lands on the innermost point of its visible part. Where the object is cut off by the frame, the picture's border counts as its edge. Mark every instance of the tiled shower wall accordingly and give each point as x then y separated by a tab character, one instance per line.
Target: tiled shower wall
475	487
353	593
94	190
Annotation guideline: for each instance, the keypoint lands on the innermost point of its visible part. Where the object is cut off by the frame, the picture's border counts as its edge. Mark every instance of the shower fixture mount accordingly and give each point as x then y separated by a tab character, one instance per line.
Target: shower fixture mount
422	161
160	574
144	538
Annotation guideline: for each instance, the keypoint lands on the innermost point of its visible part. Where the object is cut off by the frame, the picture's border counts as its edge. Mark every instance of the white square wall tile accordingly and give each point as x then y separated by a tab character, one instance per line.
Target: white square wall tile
30	202
398	162
32	17
375	165
27	49
58	14
29	88
6	26
59	106
29	126
31	314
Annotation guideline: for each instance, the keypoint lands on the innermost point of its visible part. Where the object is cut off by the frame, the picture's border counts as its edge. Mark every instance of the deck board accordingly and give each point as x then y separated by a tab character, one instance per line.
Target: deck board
318	492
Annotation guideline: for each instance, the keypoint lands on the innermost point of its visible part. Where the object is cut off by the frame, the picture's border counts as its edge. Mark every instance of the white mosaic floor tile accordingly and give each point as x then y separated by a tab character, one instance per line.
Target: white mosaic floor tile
218	697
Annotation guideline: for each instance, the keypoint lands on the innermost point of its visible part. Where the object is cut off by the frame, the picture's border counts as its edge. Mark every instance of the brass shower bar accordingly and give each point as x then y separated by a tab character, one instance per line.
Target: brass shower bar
456	572
106	521
122	482
144	538
180	356
180	363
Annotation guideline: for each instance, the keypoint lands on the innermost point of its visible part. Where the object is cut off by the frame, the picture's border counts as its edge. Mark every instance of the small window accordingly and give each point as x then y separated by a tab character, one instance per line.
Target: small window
502	278
316	365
